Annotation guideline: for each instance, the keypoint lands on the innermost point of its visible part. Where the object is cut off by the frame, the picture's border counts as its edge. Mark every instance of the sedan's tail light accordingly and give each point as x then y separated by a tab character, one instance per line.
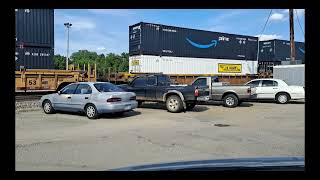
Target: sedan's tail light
133	98
113	99
196	93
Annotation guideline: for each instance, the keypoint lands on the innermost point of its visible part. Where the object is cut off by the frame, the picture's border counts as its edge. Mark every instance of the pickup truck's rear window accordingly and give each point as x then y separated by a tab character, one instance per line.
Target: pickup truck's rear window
163	81
107	87
200	82
139	82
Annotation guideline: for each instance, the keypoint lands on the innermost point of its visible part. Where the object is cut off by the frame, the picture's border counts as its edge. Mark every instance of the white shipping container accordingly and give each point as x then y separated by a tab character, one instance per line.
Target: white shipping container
291	74
187	65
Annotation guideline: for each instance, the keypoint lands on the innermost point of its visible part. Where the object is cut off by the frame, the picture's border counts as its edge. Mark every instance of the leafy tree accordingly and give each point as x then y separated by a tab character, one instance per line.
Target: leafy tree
117	63
59	61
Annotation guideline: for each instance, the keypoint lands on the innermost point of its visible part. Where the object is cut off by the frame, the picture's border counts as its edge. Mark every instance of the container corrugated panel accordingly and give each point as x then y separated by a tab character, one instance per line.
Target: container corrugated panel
34	58
279	50
34	27
186	65
162	40
291	74
283	50
266	51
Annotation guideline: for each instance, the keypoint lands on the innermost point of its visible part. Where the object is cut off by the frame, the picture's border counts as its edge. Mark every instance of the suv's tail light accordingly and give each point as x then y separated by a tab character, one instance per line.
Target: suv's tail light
196	93
113	99
249	90
133	98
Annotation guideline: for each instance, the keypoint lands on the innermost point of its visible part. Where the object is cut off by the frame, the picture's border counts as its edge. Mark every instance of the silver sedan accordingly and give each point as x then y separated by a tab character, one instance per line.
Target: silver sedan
93	98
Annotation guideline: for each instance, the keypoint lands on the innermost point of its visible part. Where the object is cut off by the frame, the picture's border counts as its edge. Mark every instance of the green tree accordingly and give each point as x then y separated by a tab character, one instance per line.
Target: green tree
59	61
117	63
124	66
83	57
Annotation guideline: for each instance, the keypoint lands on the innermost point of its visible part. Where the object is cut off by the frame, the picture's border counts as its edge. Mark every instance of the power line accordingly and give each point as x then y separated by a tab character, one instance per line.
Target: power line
299	22
264	27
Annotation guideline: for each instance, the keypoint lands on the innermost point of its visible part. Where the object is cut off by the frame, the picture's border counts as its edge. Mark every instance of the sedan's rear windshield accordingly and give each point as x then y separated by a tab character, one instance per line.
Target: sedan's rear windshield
107	87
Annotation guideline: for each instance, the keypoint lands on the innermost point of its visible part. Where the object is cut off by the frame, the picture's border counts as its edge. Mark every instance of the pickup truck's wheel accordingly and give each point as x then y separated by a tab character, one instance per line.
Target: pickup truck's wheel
282	98
91	111
174	104
230	100
190	106
47	107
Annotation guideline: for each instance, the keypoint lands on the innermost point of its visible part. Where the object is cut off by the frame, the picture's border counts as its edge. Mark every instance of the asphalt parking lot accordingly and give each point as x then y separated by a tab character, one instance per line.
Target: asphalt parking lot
65	141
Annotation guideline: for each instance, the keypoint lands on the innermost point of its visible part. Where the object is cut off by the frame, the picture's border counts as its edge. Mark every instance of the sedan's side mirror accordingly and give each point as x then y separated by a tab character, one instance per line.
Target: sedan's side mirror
59	92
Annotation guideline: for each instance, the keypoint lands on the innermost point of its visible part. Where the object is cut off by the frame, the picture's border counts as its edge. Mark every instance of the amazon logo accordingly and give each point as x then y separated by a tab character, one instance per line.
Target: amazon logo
213	43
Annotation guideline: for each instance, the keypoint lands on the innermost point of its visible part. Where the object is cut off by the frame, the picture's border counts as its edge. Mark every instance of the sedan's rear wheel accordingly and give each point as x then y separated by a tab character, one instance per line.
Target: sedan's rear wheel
282	98
91	111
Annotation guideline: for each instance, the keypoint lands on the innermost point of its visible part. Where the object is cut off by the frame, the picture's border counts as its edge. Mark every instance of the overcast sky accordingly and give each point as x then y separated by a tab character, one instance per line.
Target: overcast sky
106	30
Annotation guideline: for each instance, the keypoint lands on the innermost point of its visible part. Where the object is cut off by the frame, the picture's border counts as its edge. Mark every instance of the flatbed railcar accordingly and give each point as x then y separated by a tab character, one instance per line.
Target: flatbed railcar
47	80
125	77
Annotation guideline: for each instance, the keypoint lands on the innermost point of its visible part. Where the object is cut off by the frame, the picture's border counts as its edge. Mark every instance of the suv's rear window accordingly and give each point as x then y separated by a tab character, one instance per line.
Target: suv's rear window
107	87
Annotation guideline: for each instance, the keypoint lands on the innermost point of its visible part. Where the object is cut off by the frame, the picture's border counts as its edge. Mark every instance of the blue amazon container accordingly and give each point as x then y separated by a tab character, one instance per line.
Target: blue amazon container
163	40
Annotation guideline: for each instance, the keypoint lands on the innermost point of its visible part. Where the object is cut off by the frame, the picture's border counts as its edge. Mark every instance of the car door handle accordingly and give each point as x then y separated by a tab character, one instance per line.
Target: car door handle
86	98
275	88
69	97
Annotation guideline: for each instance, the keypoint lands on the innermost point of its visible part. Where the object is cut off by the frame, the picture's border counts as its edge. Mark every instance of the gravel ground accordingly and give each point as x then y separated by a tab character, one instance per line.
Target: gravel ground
27	105
65	141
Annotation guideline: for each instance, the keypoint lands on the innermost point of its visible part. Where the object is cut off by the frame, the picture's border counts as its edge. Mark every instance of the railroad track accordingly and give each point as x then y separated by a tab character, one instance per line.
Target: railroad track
20	98
29	96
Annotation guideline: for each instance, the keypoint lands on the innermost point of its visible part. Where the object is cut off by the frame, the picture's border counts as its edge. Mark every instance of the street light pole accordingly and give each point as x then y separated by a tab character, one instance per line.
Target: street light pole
67	25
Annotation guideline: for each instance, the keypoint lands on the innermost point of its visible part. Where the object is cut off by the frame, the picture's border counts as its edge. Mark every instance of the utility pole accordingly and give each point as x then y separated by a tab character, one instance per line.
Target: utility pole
68	26
292	45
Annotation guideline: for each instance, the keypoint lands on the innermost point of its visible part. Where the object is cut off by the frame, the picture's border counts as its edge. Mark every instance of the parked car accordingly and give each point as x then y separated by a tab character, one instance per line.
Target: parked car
158	88
231	95
93	98
275	89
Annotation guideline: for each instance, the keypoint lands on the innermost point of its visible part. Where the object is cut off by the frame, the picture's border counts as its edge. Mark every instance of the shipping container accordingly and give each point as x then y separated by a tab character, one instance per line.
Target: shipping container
34	58
279	50
163	40
34	27
291	74
188	65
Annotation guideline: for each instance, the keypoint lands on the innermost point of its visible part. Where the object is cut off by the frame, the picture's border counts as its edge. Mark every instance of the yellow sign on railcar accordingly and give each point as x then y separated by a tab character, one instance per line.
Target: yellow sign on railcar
229	68
135	62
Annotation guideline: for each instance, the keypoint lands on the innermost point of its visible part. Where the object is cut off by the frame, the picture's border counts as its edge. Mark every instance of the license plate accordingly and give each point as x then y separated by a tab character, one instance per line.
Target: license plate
127	107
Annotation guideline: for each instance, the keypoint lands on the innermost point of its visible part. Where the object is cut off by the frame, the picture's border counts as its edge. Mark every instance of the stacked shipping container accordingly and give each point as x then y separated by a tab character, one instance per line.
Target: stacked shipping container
175	50
34	38
276	52
279	50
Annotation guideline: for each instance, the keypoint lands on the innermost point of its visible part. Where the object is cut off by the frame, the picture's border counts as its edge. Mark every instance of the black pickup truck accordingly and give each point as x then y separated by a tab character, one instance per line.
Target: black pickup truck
157	88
